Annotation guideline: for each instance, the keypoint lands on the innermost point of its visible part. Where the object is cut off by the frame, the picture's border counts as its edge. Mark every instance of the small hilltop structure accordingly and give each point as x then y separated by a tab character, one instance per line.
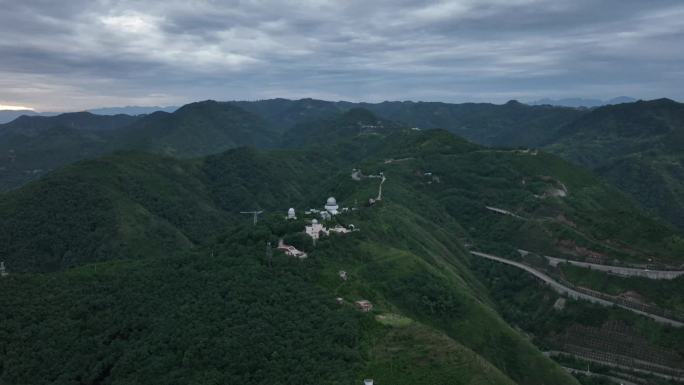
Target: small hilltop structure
3	271
315	229
291	214
331	206
291	250
364	305
330	209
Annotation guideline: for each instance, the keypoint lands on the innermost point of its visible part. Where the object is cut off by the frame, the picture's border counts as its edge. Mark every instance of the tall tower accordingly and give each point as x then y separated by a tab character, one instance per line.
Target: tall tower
255	213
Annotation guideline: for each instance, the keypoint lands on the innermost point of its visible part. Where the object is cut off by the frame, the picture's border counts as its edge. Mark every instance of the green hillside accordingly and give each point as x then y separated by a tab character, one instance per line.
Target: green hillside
338	127
636	146
125	206
147	261
510	124
197	129
30	147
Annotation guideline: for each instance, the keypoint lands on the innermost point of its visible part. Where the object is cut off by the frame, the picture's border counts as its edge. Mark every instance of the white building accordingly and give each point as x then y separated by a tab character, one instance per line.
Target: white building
339	229
314	229
291	213
3	272
331	206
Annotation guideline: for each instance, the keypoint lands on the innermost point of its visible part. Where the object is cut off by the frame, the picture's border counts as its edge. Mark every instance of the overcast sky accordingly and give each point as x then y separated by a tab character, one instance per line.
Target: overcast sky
77	54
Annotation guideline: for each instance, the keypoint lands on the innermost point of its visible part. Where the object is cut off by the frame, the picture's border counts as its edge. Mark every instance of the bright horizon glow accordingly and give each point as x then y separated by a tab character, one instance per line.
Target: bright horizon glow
7	107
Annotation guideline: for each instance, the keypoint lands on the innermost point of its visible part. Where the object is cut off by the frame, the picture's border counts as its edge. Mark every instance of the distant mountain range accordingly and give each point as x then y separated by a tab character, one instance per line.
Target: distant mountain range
581	102
131	110
266	106
9	115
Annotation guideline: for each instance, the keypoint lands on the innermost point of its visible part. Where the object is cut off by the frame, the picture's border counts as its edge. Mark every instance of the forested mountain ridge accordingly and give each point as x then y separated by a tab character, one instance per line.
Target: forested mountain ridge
83	121
31	146
636	146
197	129
150	253
509	124
344	126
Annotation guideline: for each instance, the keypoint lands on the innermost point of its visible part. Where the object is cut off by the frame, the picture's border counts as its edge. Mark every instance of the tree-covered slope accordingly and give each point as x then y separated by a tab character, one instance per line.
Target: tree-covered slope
124	206
82	121
197	129
337	127
510	124
282	114
189	292
31	146
638	147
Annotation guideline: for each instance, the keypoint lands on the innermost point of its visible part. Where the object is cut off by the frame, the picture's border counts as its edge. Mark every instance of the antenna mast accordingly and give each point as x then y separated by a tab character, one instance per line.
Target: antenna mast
255	213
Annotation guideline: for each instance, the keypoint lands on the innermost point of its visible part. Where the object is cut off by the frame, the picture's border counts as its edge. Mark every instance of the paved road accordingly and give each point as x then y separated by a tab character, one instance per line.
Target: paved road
379	198
618	270
614	379
553	353
572	293
503	212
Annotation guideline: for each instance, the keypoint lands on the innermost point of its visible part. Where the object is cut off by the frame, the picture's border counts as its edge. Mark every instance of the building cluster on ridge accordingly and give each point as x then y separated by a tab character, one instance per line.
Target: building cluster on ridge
315	229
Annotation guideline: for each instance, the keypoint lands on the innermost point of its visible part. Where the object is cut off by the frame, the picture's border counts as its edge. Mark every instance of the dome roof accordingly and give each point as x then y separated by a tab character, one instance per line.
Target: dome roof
291	210
331	202
314	221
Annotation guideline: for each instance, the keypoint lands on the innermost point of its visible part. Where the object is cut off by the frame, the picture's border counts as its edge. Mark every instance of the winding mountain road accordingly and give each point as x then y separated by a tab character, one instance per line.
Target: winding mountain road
379	198
619	270
572	293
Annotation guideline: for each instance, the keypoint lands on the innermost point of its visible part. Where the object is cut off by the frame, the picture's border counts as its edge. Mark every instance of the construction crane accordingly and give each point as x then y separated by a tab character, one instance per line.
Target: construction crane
255	213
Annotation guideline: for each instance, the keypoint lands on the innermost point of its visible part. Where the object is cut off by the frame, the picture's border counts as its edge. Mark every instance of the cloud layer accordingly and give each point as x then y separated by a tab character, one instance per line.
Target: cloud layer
85	53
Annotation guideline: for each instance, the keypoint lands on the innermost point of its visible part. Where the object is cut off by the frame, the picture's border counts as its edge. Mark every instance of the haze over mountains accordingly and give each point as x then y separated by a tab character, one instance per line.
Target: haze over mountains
9	115
582	102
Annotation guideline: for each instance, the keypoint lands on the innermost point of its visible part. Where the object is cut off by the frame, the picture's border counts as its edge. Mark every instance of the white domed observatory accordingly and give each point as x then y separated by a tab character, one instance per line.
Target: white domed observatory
291	213
331	206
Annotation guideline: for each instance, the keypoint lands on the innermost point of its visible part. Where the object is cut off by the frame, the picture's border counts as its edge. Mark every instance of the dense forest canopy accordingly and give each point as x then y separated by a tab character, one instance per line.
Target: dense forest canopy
140	267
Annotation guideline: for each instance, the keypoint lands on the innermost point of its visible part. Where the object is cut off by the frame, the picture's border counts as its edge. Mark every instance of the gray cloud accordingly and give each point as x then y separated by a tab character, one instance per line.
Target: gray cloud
83	53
